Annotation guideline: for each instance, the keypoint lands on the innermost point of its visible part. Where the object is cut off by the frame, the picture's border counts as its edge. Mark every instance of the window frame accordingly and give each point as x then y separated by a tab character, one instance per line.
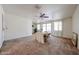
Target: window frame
39	27
58	26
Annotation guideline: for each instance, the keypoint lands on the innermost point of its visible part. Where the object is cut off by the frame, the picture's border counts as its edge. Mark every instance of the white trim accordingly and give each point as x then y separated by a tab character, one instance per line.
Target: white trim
19	37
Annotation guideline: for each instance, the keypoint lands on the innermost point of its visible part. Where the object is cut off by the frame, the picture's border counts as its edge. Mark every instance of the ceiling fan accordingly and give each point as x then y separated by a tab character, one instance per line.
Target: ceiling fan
43	15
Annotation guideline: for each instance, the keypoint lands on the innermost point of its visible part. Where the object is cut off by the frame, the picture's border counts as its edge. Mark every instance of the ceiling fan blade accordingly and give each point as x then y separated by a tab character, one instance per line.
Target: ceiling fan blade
46	16
42	15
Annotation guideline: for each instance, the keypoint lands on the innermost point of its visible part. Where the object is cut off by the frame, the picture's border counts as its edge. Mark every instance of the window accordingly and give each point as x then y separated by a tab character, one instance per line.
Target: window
58	26
44	27
38	27
49	27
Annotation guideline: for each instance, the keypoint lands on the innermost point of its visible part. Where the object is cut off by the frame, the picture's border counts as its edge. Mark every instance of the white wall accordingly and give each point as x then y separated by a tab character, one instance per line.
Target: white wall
76	22
17	26
67	28
1	32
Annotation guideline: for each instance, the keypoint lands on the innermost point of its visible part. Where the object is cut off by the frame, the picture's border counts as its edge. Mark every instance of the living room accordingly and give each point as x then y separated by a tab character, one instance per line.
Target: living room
29	25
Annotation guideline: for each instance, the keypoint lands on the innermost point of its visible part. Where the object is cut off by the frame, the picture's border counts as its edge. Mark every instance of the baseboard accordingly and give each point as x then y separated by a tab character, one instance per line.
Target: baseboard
66	38
62	37
18	37
1	44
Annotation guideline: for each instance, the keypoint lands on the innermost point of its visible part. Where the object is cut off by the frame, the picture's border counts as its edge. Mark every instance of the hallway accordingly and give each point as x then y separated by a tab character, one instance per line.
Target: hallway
27	46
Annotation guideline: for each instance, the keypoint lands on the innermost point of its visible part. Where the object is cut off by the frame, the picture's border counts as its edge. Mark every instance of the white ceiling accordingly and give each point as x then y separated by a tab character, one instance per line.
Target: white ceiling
24	10
54	11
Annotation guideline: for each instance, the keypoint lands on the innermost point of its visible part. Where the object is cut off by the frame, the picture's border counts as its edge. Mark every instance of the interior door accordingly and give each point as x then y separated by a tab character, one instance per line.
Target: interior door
0	30
3	29
1	26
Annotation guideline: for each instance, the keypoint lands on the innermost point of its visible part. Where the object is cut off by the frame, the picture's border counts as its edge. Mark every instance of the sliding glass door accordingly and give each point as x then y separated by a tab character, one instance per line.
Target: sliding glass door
38	27
46	27
58	28
49	27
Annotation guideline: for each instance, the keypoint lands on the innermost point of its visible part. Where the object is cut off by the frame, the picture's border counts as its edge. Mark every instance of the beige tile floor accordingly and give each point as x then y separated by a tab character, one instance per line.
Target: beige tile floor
27	46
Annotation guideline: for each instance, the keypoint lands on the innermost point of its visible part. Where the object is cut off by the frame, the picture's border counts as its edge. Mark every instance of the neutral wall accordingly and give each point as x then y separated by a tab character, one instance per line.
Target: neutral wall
67	28
1	32
76	22
17	26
